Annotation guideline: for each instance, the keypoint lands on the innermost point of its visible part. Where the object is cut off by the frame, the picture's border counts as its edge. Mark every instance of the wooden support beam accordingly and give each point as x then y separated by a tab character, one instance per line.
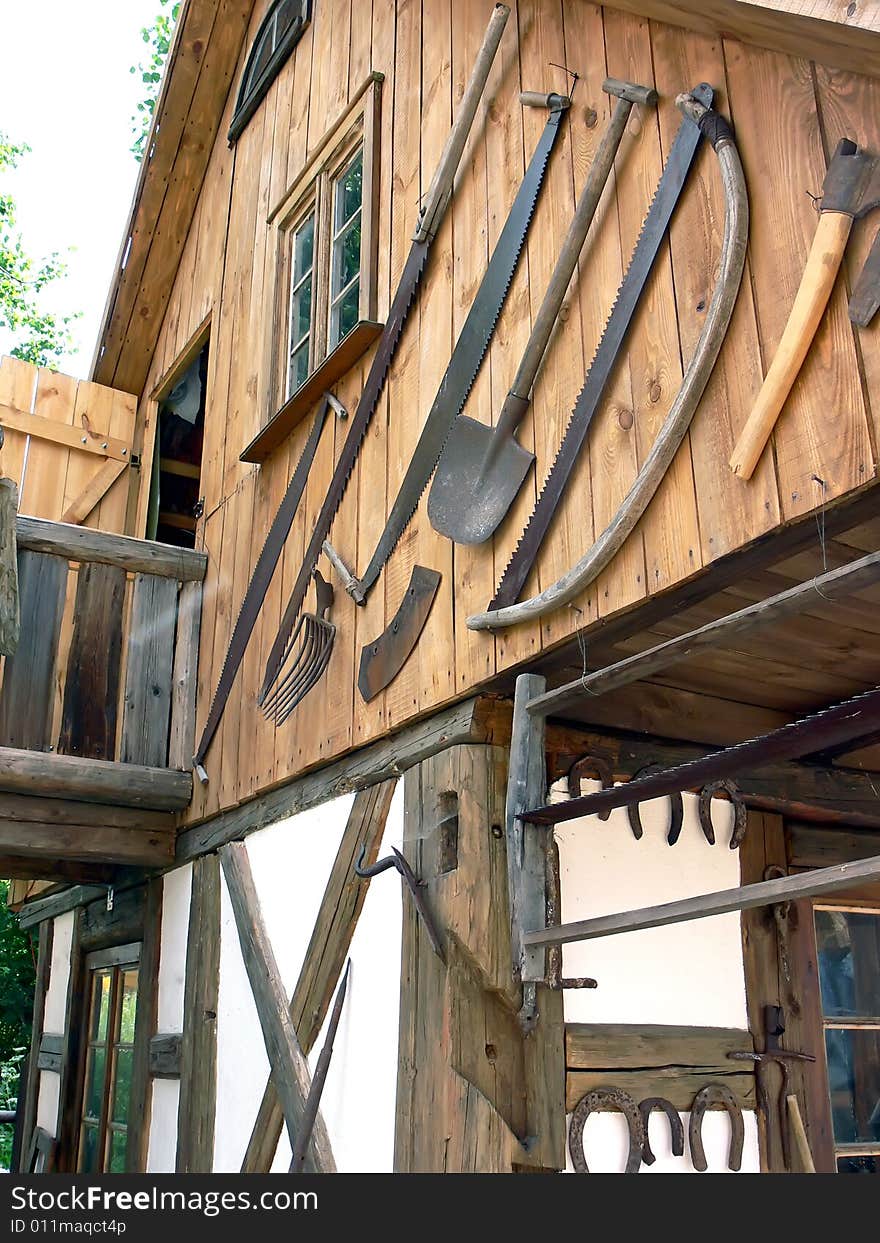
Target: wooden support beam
10	621
184	677
97	487
526	845
61	871
93	781
85	439
45	844
198	1055
290	1070
840	583
851	719
474	720
30	1078
331	938
42	909
137	556
763	893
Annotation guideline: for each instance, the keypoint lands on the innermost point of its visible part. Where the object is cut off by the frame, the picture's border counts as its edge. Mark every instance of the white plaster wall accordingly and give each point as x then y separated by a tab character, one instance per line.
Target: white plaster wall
176	895
54	1017
162	1151
688	974
59	974
360	1093
291	861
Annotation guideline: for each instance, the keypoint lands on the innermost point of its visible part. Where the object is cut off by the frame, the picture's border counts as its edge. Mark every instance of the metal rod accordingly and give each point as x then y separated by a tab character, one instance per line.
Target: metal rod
854	718
313	1100
764	893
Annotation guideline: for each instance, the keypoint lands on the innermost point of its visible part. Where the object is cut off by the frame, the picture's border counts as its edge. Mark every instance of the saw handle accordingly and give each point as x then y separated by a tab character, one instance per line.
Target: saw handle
809	306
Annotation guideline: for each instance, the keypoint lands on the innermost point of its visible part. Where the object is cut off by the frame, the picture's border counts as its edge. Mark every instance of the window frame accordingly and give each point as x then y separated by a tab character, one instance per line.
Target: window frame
117	960
249	100
825	1023
357	128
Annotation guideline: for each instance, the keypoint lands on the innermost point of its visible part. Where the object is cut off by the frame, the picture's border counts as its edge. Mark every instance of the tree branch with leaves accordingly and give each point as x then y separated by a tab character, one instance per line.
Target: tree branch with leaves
158	40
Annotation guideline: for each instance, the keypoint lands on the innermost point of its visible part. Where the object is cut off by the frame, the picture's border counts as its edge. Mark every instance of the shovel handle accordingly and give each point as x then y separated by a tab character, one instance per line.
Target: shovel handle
812	297
440	189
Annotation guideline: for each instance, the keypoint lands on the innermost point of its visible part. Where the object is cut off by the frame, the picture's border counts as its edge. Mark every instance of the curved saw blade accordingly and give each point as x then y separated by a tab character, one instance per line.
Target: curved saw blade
383	659
470	349
669	188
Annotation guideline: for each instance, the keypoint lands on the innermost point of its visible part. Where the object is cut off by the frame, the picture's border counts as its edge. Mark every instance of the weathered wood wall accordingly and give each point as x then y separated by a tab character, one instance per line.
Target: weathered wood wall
788	114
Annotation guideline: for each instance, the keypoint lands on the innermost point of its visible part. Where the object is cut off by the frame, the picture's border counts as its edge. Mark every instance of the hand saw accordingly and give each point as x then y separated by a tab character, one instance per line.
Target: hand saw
470	349
681	157
429	221
262	576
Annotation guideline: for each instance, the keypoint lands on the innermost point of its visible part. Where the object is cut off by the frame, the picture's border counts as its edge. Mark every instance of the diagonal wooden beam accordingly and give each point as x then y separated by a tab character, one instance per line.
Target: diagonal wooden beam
290	1069
836	584
97	487
332	936
854	718
764	893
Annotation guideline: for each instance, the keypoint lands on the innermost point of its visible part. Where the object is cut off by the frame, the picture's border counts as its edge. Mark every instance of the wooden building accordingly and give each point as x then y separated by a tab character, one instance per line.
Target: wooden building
293	145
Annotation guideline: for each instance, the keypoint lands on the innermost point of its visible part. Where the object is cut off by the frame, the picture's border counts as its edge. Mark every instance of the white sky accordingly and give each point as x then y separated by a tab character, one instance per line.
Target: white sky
66	90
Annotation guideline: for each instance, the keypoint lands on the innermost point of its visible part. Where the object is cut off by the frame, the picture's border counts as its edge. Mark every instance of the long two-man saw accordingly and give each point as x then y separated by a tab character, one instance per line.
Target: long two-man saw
458	380
436	201
671	184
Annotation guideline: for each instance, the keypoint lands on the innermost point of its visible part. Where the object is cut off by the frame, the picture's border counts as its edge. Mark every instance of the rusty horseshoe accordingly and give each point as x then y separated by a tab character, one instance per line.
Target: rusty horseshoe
646	1108
715	1094
591	765
676	808
606	1098
740	814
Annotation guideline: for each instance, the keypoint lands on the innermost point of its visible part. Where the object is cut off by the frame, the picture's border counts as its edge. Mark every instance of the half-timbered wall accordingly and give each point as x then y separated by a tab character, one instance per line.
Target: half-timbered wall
788	115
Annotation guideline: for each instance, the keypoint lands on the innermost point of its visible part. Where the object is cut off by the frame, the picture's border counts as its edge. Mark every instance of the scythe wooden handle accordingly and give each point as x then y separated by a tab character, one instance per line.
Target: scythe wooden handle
812	297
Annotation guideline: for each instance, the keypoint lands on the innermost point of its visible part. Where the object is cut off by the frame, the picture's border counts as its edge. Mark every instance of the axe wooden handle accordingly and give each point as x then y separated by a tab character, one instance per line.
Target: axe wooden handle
812	297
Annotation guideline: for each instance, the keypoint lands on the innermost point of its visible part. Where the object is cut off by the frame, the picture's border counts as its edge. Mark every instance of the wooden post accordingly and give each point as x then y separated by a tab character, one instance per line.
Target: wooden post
198	1069
526	843
30	1076
289	1066
9	616
184	676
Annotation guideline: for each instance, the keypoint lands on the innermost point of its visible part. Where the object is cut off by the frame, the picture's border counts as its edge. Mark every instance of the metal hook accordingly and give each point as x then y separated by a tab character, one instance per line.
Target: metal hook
414	885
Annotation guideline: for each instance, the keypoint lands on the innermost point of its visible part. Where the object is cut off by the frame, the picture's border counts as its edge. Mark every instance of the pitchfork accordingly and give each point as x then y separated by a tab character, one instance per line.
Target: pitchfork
306	656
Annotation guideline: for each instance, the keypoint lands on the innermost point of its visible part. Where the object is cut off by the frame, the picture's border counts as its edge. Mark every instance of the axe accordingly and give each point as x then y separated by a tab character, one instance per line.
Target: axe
850	190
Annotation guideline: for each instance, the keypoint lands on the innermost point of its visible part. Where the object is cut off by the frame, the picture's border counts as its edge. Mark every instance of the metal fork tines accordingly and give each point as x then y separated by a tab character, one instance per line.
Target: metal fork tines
306	656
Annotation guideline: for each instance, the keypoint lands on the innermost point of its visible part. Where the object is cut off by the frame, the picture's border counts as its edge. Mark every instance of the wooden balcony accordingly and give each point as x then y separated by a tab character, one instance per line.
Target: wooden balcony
97	706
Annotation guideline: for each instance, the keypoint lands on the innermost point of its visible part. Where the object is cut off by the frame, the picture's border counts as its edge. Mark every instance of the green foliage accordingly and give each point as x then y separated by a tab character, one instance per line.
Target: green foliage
41	337
158	40
16	1011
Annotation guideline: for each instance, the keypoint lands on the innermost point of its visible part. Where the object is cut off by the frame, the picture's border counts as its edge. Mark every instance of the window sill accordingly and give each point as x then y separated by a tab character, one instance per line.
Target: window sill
335	365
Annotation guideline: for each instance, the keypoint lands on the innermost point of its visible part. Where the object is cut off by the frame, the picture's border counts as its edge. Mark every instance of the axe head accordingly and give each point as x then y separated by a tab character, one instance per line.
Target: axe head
852	183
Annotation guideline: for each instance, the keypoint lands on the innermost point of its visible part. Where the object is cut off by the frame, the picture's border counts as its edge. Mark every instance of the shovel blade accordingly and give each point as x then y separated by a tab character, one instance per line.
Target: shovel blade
476	481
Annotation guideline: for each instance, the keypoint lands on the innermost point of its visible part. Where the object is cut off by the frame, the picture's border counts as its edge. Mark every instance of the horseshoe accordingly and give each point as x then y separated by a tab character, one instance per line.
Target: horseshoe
715	1094
609	1098
599	765
740	818
646	1107
676	808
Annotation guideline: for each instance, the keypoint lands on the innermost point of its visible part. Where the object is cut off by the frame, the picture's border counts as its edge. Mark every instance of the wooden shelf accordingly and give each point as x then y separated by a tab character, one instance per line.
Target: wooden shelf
183	522
171	466
342	359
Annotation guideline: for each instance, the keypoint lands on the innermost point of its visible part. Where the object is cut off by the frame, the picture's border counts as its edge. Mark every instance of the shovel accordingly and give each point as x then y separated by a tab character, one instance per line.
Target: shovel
482	468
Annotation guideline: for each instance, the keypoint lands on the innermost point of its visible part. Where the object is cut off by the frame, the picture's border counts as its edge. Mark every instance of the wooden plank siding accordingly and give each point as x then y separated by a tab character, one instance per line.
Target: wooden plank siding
788	113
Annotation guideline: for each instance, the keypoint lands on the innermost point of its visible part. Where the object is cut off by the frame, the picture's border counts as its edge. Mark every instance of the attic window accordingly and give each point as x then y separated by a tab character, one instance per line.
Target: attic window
279	34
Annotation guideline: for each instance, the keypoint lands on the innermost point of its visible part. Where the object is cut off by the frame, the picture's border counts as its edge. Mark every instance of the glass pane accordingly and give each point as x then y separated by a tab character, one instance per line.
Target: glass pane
122	1084
128	1006
345	314
854	1084
849	963
100	1005
349	192
118	1142
88	1150
299	368
346	256
858	1165
303	249
301	312
96	1069
262	54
